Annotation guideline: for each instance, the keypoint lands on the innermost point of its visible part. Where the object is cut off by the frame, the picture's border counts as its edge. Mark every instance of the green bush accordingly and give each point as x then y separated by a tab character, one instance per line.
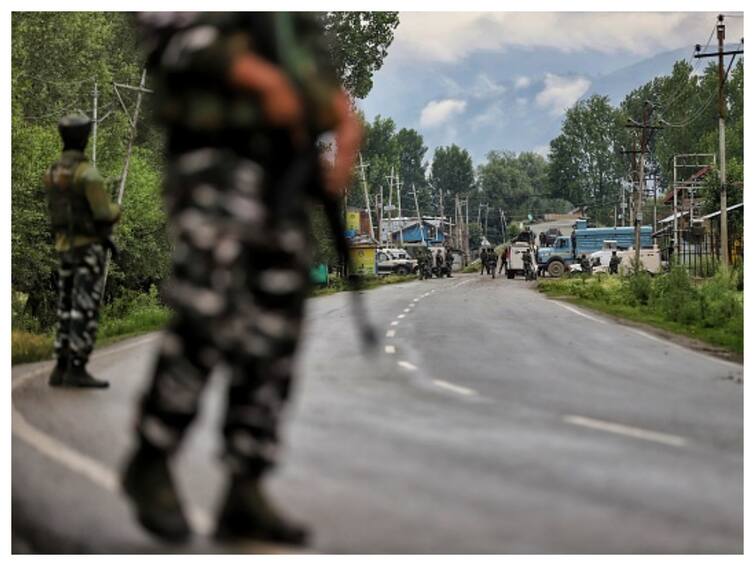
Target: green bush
640	286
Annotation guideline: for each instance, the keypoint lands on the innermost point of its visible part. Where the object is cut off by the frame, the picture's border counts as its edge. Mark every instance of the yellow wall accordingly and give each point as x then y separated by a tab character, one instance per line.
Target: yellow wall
352	220
363	260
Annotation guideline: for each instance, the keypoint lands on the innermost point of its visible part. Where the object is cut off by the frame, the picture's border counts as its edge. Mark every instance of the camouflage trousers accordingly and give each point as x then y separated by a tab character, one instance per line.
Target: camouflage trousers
80	275
240	276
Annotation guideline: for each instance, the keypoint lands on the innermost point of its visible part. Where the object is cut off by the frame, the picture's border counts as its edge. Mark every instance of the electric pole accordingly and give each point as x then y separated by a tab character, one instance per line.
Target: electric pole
419	216
362	168
645	137
721	34
133	121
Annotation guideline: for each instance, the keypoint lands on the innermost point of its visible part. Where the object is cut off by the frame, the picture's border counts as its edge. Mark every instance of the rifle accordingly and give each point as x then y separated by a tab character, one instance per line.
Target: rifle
304	171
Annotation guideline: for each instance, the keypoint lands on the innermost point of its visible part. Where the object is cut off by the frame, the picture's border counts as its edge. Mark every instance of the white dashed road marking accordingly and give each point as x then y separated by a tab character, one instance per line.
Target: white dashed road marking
394	323
389	349
390	334
407	365
407	310
401	316
455	388
615	428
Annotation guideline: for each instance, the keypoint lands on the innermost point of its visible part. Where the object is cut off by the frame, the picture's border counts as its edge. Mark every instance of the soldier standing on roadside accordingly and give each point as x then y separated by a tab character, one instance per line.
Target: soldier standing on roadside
449	259
82	217
483	260
613	265
243	98
585	264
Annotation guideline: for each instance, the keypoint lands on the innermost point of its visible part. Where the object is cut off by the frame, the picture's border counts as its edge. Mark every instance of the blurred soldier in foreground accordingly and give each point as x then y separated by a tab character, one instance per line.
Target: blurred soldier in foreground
243	98
81	216
613	264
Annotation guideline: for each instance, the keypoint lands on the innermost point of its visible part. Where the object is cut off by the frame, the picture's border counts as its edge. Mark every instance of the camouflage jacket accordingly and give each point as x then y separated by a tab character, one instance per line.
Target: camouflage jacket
79	207
190	56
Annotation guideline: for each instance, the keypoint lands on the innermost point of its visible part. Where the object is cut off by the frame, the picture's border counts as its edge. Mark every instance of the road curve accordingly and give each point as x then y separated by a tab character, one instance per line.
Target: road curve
492	420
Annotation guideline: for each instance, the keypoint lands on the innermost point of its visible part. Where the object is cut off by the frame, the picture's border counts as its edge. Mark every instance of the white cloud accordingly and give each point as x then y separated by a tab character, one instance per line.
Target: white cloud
485	87
493	116
522	82
560	93
451	36
436	112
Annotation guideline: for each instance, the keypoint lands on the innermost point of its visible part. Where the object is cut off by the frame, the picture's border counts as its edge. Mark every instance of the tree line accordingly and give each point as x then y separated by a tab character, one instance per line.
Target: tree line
56	59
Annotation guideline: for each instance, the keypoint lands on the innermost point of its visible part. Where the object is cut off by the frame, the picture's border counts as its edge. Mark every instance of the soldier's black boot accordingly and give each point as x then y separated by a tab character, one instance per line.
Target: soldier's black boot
148	484
248	514
56	377
78	376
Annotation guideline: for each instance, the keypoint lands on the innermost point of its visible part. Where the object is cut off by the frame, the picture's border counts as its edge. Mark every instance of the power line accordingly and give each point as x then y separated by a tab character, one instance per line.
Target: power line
676	94
692	118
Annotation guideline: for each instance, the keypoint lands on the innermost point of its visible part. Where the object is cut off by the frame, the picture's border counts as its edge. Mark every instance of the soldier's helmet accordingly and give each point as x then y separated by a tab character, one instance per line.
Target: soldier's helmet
74	130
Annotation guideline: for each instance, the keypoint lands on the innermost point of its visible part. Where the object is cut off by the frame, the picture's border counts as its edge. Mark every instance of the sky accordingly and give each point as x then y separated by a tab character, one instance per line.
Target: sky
503	80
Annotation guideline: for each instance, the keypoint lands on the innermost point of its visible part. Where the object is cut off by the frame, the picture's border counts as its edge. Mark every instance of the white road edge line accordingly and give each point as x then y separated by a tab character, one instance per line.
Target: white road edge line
580	313
407	365
390	334
79	463
455	388
633	432
23	380
390	349
87	467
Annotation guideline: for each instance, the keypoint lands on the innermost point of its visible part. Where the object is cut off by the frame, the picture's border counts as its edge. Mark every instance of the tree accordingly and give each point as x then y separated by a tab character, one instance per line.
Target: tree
452	172
588	155
359	44
412	170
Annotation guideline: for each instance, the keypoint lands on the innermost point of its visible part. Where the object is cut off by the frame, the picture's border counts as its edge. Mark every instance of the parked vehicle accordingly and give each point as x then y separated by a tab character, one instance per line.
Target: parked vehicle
515	264
395	261
650	258
567	250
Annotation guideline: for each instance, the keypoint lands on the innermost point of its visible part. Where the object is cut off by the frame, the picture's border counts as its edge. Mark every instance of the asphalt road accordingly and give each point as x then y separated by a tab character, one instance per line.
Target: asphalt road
493	420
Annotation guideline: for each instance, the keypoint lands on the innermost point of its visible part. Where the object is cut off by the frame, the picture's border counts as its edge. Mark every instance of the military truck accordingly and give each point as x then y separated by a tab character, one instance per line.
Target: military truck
567	250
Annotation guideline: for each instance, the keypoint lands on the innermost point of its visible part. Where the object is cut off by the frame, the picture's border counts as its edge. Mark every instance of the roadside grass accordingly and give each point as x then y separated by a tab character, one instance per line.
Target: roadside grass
472	267
126	317
337	284
710	310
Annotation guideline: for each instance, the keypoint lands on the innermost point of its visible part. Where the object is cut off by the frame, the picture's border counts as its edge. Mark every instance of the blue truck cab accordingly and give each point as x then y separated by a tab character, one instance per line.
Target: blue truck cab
567	249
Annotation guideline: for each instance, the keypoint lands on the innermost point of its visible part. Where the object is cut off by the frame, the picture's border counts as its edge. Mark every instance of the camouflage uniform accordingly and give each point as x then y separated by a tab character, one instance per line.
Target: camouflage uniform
242	253
81	215
613	264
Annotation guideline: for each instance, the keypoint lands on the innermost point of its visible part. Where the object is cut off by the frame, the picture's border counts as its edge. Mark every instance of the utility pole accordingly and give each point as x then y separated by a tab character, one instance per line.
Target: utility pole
362	168
419	216
645	137
400	221
132	136
721	34
133	121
